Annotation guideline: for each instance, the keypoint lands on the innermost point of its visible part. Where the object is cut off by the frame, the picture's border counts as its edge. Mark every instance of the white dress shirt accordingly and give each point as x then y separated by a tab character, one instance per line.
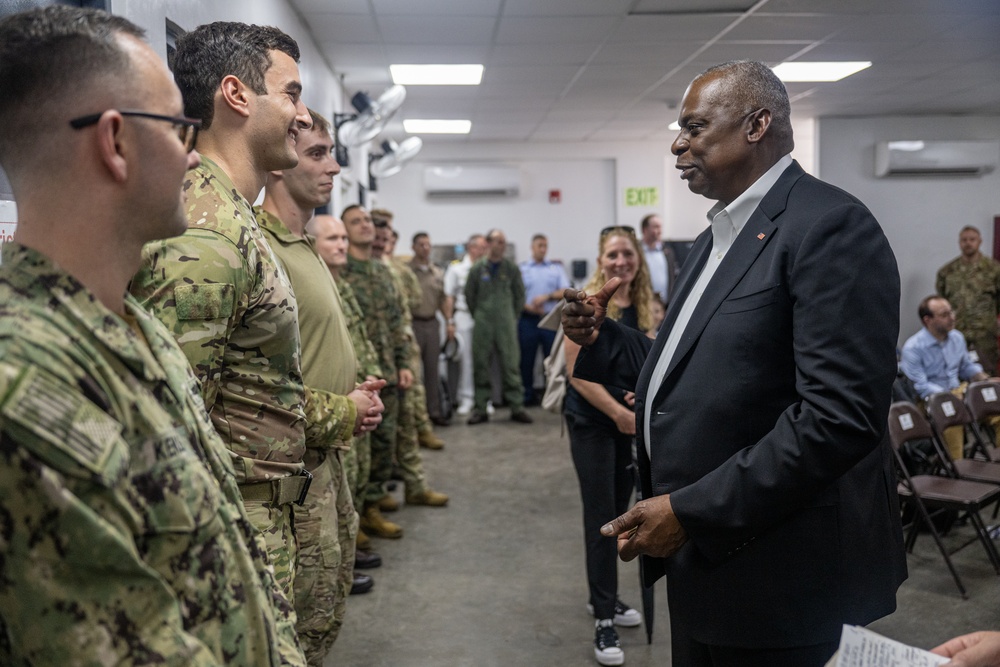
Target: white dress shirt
726	225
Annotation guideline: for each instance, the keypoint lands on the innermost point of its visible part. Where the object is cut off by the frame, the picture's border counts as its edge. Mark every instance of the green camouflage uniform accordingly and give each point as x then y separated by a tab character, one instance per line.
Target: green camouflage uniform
416	396
123	539
495	299
358	460
220	291
326	524
973	289
380	302
407	439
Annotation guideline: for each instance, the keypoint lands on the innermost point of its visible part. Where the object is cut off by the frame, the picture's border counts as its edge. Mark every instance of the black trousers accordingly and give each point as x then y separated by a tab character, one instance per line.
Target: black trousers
688	652
602	456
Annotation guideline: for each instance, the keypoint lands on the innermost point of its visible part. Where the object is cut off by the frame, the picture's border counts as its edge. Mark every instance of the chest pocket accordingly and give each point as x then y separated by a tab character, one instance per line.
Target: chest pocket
742	303
172	488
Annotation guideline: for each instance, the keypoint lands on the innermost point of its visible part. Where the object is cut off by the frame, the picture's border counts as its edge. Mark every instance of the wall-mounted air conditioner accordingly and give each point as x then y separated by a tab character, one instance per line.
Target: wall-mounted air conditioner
908	158
453	180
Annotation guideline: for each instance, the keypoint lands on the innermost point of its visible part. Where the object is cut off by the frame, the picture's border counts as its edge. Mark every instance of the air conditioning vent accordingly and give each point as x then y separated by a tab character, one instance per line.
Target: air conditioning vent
454	180
941	158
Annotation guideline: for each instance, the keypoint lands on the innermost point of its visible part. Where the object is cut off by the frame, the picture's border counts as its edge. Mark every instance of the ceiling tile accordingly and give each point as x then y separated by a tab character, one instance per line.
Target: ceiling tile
437	7
667	28
432	30
565	7
522	30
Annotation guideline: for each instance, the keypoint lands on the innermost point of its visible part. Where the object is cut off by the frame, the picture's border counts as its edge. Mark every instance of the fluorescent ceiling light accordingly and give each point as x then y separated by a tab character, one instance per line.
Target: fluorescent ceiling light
421	126
437	75
830	71
675	126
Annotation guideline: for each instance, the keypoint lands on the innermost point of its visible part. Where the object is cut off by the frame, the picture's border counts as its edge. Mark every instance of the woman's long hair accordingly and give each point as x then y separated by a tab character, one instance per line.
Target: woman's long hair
640	289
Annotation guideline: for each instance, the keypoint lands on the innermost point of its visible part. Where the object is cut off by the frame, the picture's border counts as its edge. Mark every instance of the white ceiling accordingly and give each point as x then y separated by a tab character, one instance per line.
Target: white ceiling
614	70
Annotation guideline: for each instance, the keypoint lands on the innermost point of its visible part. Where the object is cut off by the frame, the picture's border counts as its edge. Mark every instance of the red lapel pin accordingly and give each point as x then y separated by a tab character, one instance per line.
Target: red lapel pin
760	236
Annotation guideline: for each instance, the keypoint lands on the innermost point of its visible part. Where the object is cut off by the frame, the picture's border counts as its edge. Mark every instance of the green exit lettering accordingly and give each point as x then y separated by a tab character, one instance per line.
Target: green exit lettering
642	196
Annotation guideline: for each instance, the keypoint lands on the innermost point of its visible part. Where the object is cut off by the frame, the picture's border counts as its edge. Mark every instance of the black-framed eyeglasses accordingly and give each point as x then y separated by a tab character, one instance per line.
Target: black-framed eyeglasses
618	228
186	128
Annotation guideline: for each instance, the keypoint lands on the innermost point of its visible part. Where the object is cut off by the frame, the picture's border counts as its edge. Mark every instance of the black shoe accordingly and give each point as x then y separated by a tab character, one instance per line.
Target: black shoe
440	421
362	584
522	417
607	647
477	417
366	560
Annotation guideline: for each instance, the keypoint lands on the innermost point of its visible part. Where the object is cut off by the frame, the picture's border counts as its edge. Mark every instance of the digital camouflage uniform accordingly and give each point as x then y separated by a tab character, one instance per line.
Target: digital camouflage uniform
357	461
220	291
973	289
413	401
495	295
123	539
326	524
379	300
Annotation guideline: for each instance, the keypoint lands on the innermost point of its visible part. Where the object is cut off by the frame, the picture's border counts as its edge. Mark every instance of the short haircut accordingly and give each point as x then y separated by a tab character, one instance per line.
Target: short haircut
493	232
473	237
211	52
646	220
970	228
349	208
319	123
50	59
380	223
752	85
382	214
418	236
924	309
395	234
537	237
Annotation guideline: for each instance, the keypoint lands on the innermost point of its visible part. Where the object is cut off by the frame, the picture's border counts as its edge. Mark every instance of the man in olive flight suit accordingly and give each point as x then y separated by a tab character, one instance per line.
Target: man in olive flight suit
495	294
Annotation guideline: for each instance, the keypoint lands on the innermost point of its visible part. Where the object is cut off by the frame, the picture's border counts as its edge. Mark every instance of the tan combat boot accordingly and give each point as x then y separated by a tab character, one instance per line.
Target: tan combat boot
373	523
430	441
387	503
363	542
427	497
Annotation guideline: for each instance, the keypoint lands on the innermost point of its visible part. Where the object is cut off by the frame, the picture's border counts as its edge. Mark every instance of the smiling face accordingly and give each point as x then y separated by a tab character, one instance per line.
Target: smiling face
712	148
619	258
278	115
311	182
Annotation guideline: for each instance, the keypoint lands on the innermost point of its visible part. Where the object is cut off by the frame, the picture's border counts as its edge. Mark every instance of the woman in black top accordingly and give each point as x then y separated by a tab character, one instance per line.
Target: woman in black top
601	427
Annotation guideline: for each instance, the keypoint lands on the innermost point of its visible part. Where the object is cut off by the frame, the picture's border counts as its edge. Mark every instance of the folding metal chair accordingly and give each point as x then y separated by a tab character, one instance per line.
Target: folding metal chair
924	492
983	401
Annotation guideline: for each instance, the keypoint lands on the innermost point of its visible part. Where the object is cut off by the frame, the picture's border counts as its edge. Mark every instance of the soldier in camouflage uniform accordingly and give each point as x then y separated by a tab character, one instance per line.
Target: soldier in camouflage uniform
971	282
326	525
413	400
331	243
219	288
124	539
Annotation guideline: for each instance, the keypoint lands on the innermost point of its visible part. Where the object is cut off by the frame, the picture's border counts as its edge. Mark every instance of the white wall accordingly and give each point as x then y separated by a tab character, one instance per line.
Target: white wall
921	216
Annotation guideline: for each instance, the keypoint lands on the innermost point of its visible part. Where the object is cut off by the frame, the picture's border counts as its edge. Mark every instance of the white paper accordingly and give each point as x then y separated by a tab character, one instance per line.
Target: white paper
989	394
863	648
948	409
905	423
554	318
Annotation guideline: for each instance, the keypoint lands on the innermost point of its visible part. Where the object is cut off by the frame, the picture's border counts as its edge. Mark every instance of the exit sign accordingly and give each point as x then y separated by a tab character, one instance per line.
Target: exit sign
642	196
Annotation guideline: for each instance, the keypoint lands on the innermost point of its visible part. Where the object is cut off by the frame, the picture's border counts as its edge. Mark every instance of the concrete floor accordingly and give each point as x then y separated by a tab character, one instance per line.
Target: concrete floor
497	577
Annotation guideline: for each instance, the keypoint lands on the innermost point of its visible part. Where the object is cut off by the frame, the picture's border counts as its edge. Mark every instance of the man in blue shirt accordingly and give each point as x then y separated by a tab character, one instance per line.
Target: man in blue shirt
544	282
936	359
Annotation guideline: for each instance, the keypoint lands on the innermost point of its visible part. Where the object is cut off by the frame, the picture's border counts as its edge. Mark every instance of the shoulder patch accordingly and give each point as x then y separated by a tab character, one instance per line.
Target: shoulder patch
64	421
205	301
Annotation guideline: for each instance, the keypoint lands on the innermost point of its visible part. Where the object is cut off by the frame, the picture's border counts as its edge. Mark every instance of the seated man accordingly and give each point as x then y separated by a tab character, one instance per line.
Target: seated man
936	359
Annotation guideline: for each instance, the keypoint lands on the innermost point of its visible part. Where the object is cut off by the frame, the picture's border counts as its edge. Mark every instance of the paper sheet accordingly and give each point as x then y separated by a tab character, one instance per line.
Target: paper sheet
863	648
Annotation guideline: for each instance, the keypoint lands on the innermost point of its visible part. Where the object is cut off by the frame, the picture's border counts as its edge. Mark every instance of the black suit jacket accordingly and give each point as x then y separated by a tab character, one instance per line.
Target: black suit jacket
769	429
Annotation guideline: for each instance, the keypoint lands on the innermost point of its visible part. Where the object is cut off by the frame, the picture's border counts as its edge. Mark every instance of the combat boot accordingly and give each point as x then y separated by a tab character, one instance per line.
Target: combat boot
374	523
427	497
430	441
363	542
387	503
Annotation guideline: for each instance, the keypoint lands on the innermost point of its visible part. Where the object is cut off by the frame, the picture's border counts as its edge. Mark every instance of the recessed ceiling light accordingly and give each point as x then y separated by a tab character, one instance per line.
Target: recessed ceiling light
437	75
424	126
675	126
818	71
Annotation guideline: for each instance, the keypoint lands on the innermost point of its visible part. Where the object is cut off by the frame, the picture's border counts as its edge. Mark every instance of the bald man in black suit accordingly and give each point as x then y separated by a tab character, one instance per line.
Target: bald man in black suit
761	406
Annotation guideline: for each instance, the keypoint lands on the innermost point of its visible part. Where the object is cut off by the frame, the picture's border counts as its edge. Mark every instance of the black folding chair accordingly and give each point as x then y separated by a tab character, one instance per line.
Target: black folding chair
983	401
933	492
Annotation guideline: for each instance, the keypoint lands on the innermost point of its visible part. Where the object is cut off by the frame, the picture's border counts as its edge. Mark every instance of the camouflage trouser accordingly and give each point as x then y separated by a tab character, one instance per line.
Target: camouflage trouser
416	396
276	527
326	526
408	443
383	444
358	464
985	345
